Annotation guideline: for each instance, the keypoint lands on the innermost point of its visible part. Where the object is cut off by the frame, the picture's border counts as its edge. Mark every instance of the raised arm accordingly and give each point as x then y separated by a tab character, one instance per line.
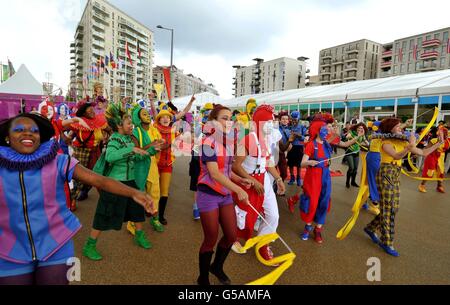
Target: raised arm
181	114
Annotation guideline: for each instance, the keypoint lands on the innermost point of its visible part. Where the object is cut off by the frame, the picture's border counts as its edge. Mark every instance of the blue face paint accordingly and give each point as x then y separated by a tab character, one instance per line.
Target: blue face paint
323	133
21	128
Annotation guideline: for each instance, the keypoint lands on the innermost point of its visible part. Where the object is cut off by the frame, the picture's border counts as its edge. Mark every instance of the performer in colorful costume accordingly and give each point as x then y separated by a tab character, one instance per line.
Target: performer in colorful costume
394	147
36	228
214	200
87	141
295	154
252	161
112	210
434	165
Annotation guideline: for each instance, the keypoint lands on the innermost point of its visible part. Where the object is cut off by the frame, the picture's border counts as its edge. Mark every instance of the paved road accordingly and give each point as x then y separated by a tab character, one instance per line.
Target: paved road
423	240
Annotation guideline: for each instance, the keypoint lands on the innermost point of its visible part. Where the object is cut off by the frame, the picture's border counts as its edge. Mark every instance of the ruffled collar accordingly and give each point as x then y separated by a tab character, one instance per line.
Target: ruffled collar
386	136
11	159
163	129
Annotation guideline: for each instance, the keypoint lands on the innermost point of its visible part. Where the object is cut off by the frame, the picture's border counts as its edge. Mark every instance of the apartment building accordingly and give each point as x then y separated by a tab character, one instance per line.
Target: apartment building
182	84
275	75
419	53
357	60
104	30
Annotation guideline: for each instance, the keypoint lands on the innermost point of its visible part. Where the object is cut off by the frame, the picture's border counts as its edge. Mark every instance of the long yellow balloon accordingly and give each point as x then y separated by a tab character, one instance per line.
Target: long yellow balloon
414	169
361	198
285	260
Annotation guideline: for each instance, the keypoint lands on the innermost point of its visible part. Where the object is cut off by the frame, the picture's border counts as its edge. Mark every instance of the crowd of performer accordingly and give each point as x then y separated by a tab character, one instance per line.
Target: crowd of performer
51	158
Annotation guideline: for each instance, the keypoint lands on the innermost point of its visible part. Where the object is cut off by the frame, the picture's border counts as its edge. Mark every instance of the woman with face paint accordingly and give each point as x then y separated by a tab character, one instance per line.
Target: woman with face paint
146	170
252	161
315	202
395	145
36	227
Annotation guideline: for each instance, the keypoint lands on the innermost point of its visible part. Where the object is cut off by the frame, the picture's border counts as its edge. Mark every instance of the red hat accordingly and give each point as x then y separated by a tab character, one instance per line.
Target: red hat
263	113
318	121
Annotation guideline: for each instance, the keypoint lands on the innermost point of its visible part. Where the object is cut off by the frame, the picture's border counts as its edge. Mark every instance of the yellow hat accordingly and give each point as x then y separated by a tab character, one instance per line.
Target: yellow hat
208	106
162	113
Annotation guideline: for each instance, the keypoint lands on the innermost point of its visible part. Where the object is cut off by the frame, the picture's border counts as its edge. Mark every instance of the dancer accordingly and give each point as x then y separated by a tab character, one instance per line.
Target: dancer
251	162
434	165
215	184
113	210
36	228
295	154
394	147
315	202
352	152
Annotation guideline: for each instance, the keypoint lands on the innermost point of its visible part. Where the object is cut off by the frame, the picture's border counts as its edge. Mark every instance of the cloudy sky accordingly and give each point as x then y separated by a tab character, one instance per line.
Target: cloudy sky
213	35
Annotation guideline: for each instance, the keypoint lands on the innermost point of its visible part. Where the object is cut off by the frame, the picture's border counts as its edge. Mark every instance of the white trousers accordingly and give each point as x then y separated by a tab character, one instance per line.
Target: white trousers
270	206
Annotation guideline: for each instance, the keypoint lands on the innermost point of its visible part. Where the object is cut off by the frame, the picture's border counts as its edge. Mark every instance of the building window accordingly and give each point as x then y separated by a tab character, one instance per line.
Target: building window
436	36
442	62
394	69
404	45
411	44
428	37
417	65
445	37
419	41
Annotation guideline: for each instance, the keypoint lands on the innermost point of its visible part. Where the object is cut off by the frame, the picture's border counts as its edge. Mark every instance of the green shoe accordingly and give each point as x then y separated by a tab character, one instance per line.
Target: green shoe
90	250
141	240
157	226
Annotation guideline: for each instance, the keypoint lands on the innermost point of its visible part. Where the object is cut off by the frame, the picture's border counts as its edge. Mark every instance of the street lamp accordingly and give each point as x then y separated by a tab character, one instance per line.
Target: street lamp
171	54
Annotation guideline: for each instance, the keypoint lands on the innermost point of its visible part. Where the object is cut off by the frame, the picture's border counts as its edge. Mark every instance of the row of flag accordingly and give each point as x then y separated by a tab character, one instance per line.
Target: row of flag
415	51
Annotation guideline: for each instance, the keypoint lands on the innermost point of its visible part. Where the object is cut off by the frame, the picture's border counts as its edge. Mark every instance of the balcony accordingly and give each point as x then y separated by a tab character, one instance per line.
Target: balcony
79	34
101	9
98	44
98	34
98	16
351	68
351	50
431	43
350	76
386	64
386	54
429	55
428	67
325	72
337	62
351	59
98	25
326	56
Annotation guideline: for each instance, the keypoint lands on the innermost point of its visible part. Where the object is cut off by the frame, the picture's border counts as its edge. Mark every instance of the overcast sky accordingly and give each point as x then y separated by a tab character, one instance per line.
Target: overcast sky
213	35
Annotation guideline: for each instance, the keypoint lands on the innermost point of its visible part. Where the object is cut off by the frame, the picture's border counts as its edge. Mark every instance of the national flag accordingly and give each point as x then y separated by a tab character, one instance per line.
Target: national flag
106	61
166	73
448	46
127	50
415	52
400	54
139	52
112	61
11	68
4	72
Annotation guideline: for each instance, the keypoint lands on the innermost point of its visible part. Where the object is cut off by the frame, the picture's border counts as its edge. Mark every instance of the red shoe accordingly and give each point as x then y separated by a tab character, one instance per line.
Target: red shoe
267	254
318	235
291	203
440	189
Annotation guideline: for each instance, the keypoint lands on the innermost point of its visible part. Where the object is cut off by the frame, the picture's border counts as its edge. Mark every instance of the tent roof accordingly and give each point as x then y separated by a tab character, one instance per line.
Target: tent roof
427	83
22	82
200	100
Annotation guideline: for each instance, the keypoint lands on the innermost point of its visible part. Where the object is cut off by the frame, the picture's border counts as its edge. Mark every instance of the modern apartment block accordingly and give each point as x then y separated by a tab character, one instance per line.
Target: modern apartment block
103	31
357	60
275	75
419	53
182	84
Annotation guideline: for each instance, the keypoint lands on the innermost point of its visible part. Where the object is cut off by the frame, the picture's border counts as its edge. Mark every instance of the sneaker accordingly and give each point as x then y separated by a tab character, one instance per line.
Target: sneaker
389	250
131	228
354	184
237	248
291	182
90	250
156	225
196	213
163	221
422	188
318	235
440	189
141	240
374	209
373	236
291	203
299	181
267	254
306	231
